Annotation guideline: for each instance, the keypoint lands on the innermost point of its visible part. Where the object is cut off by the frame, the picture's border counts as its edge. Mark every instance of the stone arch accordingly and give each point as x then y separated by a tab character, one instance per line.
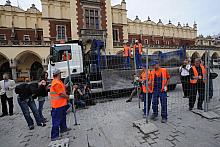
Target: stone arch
28	65
4	65
215	55
36	70
195	55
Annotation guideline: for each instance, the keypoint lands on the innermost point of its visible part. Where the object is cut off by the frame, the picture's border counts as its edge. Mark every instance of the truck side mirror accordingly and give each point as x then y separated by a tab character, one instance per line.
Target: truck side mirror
51	61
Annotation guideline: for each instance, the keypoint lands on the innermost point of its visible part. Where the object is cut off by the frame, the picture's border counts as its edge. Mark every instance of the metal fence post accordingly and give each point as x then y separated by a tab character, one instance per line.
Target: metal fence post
207	65
135	69
71	90
147	87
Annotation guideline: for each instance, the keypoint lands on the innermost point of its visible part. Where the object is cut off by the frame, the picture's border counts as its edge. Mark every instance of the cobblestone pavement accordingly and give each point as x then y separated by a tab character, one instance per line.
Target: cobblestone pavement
110	124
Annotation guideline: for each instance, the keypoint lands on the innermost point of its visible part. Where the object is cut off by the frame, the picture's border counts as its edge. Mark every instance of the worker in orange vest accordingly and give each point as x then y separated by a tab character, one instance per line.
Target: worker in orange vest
142	79
138	53
127	55
160	79
65	57
58	103
198	77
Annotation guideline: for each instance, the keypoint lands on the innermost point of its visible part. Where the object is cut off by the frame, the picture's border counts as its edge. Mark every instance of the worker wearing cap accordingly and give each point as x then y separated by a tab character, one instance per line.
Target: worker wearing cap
58	103
198	78
160	79
127	55
138	53
142	79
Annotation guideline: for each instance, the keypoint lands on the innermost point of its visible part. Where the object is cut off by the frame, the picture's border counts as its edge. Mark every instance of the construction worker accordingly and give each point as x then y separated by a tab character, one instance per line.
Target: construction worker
142	79
197	83
138	53
127	55
160	79
58	103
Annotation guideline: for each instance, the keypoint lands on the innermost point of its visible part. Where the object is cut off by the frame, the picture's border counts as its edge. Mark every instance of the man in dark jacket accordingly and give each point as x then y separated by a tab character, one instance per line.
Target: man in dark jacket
26	95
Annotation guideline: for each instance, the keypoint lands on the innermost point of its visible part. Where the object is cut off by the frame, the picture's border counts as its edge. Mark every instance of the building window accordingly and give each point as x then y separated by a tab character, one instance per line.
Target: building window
61	32
167	43
27	38
146	41
92	18
157	42
2	37
116	35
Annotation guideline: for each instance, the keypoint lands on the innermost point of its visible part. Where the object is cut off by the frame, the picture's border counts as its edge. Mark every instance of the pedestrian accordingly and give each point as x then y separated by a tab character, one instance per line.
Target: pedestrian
44	95
198	79
143	79
127	55
87	95
78	97
26	95
160	79
138	54
136	88
59	100
6	94
185	79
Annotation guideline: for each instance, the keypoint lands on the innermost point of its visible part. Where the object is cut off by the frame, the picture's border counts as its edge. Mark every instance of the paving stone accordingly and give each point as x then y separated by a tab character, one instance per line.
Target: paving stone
208	115
59	143
170	138
145	128
150	141
152	136
174	135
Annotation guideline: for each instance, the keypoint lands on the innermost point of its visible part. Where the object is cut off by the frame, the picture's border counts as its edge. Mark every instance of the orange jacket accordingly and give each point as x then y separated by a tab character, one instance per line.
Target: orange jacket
165	77
139	46
194	81
64	57
57	88
143	77
127	51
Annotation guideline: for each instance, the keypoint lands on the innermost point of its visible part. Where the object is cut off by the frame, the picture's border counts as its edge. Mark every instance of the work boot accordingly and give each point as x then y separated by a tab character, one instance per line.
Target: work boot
164	120
66	130
129	100
42	124
190	109
31	127
153	117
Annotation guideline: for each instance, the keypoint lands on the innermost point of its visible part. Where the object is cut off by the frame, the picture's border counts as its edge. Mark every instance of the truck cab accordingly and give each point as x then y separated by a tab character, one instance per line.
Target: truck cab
60	53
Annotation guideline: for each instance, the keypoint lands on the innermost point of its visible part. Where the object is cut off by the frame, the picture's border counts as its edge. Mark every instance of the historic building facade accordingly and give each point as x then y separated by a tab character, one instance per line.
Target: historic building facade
26	35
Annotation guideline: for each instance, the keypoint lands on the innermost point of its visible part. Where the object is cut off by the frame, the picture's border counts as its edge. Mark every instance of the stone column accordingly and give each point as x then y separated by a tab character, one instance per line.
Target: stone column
14	73
13	66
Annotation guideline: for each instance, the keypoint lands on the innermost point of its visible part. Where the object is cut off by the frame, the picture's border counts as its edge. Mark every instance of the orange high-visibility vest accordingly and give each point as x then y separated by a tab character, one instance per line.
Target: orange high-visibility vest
127	51
165	77
143	77
139	46
64	57
194	81
57	101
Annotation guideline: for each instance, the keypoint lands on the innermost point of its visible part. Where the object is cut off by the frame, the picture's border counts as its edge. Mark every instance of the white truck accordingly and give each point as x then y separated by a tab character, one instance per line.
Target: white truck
105	74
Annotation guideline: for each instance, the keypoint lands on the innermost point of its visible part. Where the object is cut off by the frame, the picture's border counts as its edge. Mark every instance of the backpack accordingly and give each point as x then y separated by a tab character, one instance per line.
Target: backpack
23	90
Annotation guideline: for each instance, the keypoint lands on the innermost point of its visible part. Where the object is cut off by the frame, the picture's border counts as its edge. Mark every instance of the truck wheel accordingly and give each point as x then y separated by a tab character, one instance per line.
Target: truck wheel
171	87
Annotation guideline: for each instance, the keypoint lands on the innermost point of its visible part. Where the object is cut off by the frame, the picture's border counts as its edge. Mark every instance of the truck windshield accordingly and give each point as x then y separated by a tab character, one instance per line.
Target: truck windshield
59	53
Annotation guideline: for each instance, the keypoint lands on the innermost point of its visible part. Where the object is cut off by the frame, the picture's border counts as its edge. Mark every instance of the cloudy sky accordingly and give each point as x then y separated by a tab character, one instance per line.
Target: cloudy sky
205	13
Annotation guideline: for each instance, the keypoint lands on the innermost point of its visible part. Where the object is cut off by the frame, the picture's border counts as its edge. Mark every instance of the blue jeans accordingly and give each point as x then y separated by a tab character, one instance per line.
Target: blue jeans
127	62
145	102
25	104
163	101
40	109
58	121
138	59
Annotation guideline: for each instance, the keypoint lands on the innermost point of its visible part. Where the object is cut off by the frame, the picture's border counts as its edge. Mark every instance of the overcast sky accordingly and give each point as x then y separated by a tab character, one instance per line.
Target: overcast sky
206	13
